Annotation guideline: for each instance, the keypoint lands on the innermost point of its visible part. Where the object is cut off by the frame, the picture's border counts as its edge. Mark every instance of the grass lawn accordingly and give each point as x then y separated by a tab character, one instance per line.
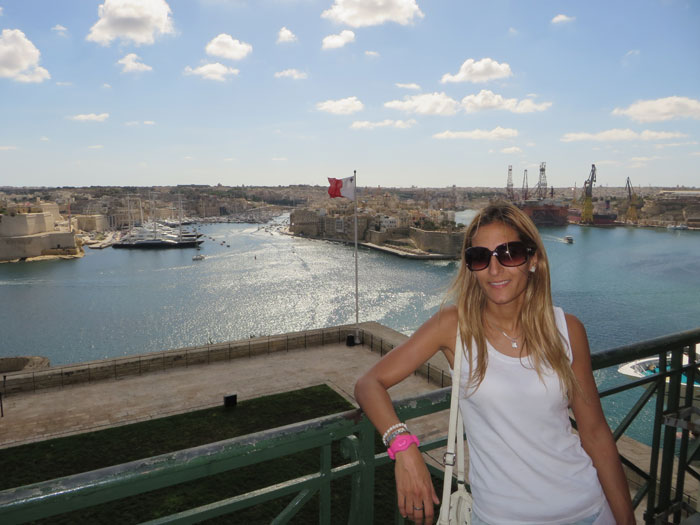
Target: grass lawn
45	460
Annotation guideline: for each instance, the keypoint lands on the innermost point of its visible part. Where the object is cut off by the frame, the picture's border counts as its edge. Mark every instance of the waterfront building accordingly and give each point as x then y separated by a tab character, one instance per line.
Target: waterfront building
31	231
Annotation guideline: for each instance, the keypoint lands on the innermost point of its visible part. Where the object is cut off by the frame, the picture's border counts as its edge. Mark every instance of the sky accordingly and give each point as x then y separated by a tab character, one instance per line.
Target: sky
427	93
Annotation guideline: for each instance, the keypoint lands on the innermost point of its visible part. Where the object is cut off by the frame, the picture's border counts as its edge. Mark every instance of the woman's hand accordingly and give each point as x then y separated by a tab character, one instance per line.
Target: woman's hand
414	488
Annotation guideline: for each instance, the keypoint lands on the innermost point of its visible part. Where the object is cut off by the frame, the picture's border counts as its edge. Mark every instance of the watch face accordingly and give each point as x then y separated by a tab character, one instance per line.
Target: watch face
402	440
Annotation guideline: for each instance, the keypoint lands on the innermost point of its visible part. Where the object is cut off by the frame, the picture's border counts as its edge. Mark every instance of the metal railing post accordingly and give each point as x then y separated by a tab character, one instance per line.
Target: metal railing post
367	468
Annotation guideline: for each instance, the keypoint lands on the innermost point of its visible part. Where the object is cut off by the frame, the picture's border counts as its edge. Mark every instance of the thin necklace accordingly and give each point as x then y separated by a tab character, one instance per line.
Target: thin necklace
513	340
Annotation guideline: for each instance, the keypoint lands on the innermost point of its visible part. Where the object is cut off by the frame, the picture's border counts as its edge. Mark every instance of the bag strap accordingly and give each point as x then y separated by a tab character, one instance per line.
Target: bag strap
450	458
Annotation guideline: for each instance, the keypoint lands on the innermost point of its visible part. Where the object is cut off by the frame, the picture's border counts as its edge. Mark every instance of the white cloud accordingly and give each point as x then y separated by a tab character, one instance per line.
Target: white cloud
512	149
131	123
366	124
563	19
335	41
279	159
131	64
8	148
497	133
229	159
426	104
106	86
136	21
44	139
90	117
364	13
291	73
215	71
343	106
632	52
695	153
482	71
0	11
486	99
407	86
225	46
96	146
372	54
19	58
661	109
60	30
188	157
512	31
675	144
645	159
149	122
63	84
285	36
616	135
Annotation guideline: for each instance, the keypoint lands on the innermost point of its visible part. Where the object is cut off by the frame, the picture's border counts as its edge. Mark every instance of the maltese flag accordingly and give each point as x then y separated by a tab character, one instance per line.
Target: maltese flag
342	188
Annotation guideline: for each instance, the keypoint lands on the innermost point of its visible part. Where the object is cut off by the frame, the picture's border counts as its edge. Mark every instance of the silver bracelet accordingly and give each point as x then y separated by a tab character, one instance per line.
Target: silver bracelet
390	430
396	434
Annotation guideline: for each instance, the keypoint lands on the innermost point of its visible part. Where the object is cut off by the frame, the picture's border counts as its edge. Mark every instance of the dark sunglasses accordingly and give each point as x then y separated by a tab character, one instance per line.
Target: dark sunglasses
509	254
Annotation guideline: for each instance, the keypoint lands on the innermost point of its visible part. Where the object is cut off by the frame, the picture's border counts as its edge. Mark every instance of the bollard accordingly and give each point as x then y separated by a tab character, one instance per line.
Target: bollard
230	400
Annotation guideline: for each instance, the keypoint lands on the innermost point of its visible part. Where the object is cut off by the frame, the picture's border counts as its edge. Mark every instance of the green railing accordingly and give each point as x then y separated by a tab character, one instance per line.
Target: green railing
662	490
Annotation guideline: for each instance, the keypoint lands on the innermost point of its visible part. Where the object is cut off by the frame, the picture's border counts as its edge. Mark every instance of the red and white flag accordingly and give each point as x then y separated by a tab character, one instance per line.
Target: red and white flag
342	188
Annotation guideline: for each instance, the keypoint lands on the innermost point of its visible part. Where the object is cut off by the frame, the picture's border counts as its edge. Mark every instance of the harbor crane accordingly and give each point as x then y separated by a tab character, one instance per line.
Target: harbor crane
524	193
587	213
631	203
510	194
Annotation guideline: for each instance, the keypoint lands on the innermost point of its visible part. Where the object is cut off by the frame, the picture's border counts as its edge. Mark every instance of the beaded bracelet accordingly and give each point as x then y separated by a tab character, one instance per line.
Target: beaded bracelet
390	430
395	434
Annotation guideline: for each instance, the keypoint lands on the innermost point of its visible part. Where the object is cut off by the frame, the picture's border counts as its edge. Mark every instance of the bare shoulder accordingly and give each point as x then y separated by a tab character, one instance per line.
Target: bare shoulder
577	337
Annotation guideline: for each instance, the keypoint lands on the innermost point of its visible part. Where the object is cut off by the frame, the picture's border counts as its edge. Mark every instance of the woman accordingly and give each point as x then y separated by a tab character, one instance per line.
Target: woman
524	364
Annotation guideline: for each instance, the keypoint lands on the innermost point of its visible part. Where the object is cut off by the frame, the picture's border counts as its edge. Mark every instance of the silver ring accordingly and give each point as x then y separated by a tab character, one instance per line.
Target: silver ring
417	508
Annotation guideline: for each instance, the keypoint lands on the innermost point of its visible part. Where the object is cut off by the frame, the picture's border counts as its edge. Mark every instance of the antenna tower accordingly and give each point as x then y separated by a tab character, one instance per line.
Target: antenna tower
542	184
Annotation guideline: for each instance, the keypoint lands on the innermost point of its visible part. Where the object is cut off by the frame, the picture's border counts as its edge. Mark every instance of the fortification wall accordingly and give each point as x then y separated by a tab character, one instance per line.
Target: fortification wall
437	242
50	243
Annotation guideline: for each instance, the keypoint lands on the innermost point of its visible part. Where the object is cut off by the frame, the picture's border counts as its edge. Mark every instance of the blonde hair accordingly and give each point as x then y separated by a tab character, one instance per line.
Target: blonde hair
538	326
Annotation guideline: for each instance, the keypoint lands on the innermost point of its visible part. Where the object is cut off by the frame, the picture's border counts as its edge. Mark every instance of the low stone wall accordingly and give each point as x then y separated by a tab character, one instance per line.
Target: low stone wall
89	372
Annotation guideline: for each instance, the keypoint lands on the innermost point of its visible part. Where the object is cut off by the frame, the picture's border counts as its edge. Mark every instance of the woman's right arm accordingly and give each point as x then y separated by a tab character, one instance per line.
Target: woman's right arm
413	484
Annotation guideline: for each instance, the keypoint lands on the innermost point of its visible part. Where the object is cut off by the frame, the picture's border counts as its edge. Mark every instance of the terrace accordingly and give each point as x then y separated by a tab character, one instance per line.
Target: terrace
89	396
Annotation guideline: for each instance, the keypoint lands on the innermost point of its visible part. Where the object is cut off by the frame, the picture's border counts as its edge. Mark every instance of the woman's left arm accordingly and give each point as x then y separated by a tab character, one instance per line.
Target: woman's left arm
596	438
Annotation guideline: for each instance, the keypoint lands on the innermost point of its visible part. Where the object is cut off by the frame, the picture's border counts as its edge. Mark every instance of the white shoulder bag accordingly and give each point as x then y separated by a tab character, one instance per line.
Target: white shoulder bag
456	507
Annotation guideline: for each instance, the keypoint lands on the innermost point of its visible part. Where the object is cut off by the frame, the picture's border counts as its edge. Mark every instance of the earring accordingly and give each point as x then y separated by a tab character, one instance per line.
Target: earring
532	269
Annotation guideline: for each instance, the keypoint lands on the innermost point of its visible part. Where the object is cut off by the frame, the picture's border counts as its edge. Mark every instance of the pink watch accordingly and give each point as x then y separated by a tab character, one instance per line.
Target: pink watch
402	442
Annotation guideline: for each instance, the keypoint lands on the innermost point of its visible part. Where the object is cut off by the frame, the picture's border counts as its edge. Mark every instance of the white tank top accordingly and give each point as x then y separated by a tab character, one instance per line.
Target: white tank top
526	466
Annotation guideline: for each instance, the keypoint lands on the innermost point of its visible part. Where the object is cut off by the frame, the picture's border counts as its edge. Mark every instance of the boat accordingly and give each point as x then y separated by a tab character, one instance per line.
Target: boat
545	212
677	227
600	218
568	239
649	366
198	257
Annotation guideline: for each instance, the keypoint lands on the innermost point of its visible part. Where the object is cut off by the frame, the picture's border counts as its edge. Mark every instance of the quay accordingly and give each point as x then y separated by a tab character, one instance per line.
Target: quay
66	400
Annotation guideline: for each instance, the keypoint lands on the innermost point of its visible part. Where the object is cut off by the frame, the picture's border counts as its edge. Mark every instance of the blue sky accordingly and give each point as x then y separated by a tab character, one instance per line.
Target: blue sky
406	92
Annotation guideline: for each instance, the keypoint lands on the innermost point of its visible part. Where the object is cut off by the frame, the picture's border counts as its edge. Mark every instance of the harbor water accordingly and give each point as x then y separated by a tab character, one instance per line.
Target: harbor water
625	284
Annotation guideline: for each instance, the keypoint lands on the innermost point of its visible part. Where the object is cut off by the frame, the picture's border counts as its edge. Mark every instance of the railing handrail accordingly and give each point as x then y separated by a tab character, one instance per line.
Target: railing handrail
641	349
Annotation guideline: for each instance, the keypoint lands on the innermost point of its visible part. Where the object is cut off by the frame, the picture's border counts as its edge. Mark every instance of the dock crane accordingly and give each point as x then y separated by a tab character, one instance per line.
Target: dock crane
631	203
510	194
524	194
587	213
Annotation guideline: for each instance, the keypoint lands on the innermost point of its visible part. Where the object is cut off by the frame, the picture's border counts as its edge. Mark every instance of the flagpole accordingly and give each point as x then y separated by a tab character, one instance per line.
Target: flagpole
357	300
